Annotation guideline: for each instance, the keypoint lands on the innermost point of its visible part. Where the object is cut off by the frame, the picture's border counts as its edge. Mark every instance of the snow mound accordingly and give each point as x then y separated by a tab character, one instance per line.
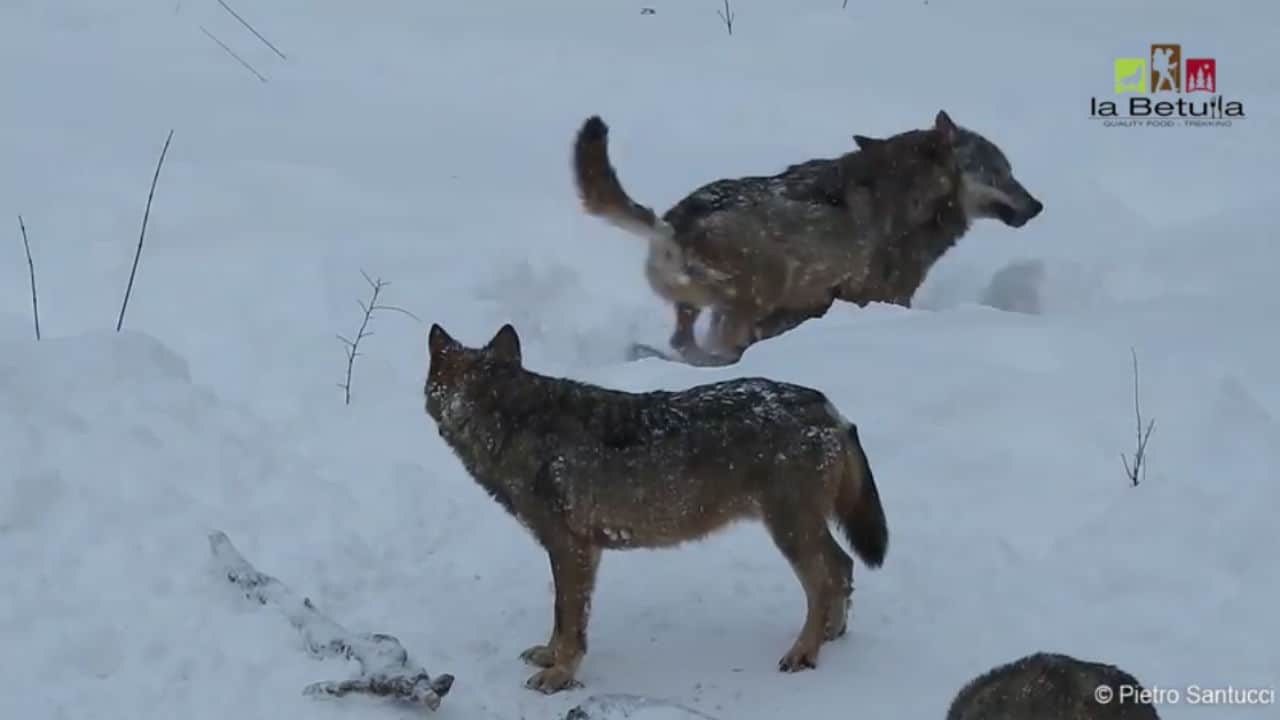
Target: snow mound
117	467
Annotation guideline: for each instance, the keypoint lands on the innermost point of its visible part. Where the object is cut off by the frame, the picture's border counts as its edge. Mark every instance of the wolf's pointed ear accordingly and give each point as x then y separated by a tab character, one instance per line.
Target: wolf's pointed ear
945	126
866	143
505	344
438	340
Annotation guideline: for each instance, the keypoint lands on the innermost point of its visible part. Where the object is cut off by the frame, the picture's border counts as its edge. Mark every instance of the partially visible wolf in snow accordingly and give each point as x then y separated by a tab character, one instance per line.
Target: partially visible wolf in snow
1052	686
588	469
766	253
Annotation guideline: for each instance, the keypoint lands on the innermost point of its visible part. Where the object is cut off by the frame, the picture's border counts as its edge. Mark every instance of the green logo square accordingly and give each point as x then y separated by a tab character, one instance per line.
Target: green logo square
1130	75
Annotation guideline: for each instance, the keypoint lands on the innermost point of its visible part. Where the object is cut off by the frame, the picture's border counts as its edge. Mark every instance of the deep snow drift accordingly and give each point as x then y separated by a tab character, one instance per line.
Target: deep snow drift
427	144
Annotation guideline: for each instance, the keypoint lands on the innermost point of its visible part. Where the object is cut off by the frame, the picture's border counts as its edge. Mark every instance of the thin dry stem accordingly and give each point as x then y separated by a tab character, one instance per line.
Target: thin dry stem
251	29
146	215
727	16
31	269
1138	470
233	54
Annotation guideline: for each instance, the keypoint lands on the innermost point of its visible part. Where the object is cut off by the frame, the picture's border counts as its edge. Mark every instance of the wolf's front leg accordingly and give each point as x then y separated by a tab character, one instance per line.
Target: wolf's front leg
573	568
686	318
544	656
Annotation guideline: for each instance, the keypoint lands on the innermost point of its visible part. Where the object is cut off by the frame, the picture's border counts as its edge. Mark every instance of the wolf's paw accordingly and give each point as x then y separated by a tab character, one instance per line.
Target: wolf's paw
799	659
539	656
552	680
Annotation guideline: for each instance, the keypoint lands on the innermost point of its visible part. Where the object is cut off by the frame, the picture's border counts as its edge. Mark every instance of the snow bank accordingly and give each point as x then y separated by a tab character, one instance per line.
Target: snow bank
117	466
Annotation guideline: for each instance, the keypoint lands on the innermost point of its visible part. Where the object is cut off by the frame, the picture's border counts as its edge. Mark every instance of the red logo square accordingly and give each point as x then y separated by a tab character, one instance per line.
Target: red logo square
1201	75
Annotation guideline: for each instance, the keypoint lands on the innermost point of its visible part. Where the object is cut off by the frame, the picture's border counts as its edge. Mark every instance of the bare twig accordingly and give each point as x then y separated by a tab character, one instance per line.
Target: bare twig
233	54
727	16
385	667
353	344
257	34
143	235
31	268
844	4
395	308
1138	469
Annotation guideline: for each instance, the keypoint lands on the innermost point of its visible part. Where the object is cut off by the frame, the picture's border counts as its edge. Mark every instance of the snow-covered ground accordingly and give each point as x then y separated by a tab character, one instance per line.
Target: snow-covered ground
427	143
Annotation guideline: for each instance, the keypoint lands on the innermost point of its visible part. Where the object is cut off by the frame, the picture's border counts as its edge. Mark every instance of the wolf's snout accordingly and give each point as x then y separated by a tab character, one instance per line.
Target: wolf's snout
1034	208
1020	213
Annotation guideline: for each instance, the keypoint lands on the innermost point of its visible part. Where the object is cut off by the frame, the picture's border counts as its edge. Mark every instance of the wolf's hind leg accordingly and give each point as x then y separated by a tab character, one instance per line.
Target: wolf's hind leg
840	588
573	567
800	532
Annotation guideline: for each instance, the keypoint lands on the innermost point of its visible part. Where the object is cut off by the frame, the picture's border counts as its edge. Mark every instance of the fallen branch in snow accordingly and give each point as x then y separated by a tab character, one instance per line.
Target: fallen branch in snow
727	16
257	34
1138	468
31	267
353	346
385	669
143	236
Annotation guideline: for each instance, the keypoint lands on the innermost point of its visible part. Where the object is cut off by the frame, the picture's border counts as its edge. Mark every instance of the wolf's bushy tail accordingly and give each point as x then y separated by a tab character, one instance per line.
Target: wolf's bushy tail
858	508
599	188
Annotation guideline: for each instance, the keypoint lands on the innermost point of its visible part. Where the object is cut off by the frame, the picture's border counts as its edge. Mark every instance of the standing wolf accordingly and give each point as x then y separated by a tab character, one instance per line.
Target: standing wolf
588	469
767	253
1051	686
749	247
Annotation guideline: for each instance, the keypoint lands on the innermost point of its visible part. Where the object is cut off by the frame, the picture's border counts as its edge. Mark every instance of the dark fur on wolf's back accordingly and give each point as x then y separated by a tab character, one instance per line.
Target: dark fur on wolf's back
1051	686
588	469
